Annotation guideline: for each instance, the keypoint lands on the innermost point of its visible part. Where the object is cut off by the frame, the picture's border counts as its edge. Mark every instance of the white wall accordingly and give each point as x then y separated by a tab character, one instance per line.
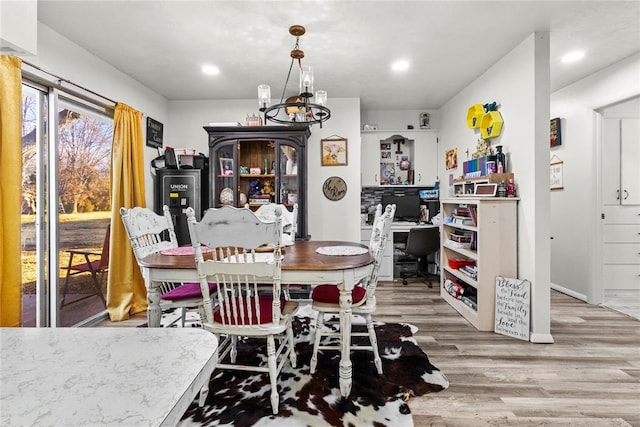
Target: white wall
59	56
327	220
518	83
574	209
19	27
399	119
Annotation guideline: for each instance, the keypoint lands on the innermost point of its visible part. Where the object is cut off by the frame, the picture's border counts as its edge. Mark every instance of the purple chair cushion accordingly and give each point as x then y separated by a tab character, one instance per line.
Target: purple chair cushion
186	291
330	294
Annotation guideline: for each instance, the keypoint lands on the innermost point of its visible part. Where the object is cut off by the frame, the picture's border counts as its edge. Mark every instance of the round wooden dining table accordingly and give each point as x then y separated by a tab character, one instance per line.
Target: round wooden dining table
301	264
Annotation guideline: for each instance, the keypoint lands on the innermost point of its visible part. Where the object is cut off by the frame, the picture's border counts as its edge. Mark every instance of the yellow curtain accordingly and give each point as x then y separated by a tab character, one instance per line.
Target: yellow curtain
10	190
126	293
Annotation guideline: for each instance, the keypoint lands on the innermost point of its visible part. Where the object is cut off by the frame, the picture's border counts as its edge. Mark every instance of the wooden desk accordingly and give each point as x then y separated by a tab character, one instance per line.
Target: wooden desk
102	376
301	265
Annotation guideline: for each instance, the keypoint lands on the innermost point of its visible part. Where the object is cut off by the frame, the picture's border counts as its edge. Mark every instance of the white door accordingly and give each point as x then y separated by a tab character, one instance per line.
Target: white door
630	161
611	161
426	158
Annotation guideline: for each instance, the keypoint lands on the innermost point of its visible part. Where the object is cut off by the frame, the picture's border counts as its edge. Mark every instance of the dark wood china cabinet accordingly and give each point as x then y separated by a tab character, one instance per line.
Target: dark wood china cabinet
258	165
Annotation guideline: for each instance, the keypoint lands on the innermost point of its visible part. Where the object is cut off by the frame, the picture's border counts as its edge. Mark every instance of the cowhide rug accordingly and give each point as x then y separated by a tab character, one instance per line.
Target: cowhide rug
238	398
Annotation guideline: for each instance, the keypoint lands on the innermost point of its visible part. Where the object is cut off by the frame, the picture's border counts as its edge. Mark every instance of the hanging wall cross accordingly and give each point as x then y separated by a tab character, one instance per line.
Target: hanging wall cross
398	141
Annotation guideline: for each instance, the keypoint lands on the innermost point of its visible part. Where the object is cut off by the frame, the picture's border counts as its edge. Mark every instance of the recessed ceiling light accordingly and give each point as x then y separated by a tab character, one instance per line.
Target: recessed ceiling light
211	70
573	56
400	66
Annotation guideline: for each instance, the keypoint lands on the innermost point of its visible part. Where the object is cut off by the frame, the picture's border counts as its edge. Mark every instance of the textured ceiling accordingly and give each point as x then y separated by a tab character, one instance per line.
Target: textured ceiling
350	44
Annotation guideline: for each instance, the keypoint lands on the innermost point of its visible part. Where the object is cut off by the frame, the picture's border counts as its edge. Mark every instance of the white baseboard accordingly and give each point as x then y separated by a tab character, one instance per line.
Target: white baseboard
569	292
541	338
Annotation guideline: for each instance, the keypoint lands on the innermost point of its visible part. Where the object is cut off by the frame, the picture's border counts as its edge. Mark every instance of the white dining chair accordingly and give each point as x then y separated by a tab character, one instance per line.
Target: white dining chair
325	299
289	220
247	265
150	233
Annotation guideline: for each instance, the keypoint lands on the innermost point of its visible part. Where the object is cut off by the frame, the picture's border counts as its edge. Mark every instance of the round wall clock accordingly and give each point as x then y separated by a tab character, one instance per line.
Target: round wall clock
334	188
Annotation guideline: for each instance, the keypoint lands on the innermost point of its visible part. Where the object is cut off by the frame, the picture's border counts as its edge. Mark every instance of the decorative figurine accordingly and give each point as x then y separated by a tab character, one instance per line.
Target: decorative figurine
255	187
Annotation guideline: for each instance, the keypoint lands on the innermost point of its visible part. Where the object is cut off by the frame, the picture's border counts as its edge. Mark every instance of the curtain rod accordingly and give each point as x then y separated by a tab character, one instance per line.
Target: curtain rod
61	79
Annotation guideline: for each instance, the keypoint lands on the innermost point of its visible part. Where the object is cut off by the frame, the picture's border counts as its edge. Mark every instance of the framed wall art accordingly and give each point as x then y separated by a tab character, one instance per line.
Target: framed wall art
555	132
333	151
556	170
451	159
226	166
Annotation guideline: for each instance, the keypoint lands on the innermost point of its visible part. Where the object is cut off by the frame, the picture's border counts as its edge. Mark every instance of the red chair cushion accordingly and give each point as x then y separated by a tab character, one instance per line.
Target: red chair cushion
186	291
95	266
265	312
330	294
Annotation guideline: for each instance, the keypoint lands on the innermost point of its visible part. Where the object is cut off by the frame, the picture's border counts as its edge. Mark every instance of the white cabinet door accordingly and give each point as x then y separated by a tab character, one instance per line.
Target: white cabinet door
426	158
630	162
370	159
611	162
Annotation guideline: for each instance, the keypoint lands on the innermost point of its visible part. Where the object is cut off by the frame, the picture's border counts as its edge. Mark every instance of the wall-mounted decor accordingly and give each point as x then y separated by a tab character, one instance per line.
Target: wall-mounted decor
334	188
556	170
154	133
555	132
451	159
333	151
491	124
474	114
424	120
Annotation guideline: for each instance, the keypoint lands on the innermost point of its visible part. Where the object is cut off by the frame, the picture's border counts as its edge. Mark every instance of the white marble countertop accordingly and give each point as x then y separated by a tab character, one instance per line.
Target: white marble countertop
102	376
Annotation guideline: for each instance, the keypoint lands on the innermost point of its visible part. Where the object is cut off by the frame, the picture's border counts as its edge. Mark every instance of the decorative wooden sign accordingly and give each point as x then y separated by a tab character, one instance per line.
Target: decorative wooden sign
555	177
513	307
154	133
334	188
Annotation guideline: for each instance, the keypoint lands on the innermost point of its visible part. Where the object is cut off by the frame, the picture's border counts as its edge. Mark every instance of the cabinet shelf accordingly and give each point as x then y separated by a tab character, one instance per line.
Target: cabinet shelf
264	175
467	312
471	254
464	277
461	226
495	254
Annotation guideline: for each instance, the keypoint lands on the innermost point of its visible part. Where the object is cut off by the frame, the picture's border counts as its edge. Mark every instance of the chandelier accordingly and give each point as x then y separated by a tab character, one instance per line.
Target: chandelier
298	108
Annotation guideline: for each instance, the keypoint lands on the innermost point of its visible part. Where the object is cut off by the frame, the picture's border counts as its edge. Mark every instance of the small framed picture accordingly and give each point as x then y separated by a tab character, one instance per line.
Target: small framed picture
424	120
226	166
334	151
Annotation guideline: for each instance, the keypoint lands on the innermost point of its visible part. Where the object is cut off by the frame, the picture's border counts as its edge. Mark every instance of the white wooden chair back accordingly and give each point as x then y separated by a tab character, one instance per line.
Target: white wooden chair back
234	234
148	232
379	239
376	218
267	213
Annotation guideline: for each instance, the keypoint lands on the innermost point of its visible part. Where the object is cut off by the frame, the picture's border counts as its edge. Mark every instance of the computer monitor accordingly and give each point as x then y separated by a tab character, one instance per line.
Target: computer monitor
407	207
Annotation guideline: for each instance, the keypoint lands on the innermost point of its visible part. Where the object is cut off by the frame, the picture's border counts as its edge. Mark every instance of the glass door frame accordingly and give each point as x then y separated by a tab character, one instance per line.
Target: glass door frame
46	224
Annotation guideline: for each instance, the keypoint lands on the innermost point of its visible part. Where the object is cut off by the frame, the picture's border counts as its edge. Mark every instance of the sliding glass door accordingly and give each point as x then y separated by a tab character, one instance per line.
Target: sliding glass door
66	208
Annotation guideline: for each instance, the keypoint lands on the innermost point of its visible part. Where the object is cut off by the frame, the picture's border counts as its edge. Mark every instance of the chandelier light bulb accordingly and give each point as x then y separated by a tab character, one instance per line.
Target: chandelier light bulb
321	97
264	96
306	80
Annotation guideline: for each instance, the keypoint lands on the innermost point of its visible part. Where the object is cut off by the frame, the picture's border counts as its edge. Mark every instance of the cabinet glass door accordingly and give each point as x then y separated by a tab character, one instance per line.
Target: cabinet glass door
257	172
225	183
289	184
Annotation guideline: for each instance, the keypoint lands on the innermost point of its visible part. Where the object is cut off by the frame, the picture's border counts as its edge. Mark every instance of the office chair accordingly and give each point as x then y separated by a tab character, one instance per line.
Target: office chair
421	243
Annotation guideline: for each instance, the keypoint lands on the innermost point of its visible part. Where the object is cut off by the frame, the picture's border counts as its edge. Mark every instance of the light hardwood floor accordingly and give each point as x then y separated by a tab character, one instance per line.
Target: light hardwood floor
590	376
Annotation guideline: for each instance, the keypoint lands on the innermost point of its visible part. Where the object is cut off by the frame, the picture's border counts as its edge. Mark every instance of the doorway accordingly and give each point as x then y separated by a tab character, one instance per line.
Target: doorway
66	152
620	207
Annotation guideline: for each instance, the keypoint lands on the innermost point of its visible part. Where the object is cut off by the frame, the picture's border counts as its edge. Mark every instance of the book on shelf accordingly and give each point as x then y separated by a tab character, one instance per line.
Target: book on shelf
461	220
458	245
474	215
